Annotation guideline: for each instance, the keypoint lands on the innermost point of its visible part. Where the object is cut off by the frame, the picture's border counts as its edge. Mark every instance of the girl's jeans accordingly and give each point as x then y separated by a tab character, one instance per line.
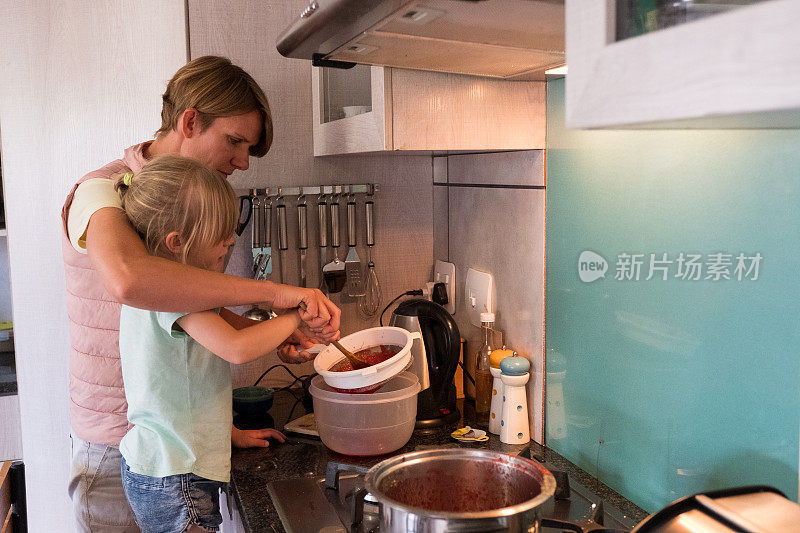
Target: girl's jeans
173	503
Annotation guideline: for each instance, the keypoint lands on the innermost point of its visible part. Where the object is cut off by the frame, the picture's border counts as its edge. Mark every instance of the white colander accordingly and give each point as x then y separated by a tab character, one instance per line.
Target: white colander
371	375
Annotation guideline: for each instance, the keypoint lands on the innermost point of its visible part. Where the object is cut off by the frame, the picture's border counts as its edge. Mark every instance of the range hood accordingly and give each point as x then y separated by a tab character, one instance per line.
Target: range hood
509	39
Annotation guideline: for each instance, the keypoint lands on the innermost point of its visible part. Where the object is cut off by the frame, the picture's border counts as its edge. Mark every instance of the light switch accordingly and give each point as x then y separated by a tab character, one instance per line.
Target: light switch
479	295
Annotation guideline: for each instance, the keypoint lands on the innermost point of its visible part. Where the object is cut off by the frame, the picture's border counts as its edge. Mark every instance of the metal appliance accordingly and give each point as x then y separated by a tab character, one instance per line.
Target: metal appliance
434	360
341	504
754	509
459	490
524	38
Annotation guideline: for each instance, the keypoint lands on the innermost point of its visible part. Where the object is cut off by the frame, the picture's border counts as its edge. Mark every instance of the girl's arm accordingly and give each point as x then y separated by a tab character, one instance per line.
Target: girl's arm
242	345
237	321
291	350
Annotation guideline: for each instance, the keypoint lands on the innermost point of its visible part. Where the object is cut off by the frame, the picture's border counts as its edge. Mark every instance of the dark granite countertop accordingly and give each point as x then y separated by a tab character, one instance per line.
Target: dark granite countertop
8	373
252	469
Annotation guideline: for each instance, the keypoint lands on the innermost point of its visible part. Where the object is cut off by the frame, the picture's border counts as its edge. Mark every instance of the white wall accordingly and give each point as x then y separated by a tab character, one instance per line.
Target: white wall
80	81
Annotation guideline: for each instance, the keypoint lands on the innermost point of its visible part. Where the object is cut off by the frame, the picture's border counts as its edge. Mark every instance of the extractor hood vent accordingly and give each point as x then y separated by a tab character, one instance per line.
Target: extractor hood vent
511	39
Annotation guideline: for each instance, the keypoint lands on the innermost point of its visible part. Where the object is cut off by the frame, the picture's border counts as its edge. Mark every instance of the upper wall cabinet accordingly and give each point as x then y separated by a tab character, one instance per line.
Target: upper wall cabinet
690	64
375	109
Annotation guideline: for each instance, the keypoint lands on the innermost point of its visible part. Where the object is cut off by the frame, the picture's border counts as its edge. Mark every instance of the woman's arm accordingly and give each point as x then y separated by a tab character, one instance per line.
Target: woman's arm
135	278
238	345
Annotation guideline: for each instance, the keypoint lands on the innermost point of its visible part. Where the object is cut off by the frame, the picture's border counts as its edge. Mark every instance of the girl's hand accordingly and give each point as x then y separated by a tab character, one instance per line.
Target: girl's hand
254	438
293	349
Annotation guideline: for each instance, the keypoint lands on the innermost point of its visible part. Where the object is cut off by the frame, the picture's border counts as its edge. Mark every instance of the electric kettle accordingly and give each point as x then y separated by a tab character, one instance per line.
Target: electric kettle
434	360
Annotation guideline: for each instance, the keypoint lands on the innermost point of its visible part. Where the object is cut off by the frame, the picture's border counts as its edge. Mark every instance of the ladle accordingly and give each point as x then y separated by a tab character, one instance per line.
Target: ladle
355	362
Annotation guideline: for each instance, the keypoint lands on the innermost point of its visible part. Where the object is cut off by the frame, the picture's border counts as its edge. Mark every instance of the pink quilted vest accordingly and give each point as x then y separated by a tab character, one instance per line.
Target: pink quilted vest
98	410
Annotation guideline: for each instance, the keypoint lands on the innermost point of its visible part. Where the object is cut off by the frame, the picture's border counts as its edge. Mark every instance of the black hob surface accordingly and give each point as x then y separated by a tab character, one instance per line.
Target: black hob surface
336	503
283	487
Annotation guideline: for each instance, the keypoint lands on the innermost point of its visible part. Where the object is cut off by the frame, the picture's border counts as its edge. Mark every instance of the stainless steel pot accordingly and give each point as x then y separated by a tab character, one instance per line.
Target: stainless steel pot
459	490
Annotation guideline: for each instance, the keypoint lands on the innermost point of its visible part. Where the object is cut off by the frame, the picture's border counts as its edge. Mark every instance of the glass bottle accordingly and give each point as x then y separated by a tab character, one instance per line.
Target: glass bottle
483	374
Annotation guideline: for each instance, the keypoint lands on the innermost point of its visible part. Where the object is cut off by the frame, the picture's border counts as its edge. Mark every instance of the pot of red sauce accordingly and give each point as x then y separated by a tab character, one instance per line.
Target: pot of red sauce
459	490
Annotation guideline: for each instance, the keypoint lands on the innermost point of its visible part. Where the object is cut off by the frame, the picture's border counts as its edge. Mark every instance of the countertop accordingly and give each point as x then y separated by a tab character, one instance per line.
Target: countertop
8	373
252	469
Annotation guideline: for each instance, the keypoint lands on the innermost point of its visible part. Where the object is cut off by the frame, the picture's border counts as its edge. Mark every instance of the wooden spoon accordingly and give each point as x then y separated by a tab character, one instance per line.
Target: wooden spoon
355	362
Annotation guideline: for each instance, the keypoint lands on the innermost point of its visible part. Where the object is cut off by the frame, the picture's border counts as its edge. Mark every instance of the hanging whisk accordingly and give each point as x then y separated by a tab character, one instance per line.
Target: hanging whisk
371	301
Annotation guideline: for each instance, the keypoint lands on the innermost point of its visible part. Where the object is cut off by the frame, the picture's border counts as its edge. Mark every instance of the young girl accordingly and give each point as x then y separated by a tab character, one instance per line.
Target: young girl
175	366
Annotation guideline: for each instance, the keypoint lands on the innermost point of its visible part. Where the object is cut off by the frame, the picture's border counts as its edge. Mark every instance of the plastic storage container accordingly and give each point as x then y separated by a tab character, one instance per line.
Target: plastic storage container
366	424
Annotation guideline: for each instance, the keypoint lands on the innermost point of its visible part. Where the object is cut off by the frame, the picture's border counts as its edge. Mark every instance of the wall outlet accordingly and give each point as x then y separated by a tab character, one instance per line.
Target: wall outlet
446	273
479	295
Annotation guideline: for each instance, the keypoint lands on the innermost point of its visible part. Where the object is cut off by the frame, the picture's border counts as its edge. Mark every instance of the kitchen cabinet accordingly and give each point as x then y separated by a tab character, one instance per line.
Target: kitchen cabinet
382	109
738	68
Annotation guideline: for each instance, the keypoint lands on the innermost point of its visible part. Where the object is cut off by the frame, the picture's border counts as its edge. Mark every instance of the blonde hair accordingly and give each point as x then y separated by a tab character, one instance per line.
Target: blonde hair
215	87
173	193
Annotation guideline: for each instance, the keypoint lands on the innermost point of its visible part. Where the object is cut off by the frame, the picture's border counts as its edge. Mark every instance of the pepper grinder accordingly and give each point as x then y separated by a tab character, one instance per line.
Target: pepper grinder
496	413
514	423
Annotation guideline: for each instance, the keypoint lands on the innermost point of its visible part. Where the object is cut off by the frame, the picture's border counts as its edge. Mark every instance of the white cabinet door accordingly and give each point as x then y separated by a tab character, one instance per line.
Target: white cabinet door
738	69
374	109
352	113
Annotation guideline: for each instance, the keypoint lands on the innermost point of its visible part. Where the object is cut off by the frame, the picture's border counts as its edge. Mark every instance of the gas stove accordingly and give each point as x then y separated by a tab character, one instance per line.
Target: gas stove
338	503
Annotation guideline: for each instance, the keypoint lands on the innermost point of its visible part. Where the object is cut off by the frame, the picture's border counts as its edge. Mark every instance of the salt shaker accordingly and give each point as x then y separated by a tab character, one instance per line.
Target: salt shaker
496	413
515	372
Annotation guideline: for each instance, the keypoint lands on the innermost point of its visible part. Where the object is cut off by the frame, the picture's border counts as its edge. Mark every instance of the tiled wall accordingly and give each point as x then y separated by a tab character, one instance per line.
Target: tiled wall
489	215
671	383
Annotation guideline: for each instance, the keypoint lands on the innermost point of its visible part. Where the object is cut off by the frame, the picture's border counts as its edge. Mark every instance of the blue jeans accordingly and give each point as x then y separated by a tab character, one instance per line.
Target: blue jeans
98	500
172	504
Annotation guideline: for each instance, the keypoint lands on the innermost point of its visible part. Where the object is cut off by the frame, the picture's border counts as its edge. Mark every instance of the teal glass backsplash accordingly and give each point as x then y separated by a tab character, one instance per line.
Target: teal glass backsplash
688	380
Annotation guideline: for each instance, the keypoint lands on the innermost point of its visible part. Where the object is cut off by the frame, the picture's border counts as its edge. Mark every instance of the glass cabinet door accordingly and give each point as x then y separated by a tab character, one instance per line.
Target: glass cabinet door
345	93
637	17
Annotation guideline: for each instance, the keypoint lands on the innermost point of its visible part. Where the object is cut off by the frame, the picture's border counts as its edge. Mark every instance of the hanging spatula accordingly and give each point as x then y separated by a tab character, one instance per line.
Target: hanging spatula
352	263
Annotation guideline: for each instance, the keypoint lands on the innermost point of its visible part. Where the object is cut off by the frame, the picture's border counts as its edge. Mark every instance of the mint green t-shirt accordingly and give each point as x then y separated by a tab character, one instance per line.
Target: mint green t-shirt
179	399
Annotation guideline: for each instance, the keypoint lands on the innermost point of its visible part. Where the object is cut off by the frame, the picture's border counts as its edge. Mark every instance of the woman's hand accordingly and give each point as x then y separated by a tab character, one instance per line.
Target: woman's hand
319	313
254	438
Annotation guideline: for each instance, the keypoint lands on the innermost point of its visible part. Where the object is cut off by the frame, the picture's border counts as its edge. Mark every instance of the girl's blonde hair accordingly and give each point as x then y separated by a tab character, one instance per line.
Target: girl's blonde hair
173	193
215	87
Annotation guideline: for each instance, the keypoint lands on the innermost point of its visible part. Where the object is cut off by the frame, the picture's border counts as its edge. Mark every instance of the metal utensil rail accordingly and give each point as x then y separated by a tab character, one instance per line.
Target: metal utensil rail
275	192
259	202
